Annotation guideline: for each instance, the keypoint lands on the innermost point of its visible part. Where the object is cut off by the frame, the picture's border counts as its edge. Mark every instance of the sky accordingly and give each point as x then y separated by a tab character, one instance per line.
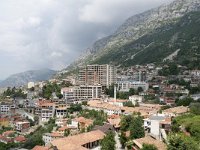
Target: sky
37	34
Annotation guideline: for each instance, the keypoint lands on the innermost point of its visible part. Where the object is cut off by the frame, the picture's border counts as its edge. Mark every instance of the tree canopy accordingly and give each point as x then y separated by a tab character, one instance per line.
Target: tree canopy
181	142
108	143
149	147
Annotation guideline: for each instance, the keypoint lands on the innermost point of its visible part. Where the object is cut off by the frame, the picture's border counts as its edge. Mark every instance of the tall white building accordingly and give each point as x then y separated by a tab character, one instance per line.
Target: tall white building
46	109
82	92
104	75
153	124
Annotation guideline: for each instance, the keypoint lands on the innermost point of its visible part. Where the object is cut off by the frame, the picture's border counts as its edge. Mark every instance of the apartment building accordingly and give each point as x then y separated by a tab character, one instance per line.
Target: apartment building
48	137
22	126
47	110
82	92
61	111
104	75
7	107
124	86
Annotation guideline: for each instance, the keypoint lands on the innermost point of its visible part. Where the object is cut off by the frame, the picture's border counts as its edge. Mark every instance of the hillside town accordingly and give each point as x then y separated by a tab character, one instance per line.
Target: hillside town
104	107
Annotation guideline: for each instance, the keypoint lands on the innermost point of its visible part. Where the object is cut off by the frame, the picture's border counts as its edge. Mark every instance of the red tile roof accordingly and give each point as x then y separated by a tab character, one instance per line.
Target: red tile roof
7	133
37	147
20	139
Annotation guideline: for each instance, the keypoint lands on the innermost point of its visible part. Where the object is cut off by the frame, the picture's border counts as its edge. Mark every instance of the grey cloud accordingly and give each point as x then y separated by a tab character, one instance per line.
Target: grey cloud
52	33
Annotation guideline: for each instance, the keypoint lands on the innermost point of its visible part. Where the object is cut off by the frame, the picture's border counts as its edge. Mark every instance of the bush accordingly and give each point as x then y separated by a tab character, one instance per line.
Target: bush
149	147
195	108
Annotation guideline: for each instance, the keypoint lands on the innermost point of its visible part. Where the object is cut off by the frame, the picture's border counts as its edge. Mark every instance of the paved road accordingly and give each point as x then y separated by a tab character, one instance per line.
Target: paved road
118	144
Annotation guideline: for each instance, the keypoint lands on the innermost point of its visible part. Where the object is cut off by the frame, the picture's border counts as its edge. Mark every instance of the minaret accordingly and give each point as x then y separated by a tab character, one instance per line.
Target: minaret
140	76
115	93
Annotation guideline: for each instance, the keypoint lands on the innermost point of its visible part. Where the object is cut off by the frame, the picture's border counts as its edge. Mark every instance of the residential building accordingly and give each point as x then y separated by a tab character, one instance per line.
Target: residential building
124	86
114	120
8	133
167	100
138	143
83	92
195	73
19	139
104	75
158	125
118	102
82	123
47	110
62	130
72	130
106	107
144	109
5	140
195	97
61	111
142	75
61	122
22	126
135	99
5	107
83	141
48	137
105	128
175	111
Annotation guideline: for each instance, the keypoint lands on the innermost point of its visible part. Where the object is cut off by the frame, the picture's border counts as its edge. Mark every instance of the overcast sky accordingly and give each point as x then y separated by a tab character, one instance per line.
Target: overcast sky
38	34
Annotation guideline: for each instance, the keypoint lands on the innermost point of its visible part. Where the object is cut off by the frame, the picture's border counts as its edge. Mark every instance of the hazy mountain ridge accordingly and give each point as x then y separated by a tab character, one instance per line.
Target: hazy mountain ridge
136	27
23	78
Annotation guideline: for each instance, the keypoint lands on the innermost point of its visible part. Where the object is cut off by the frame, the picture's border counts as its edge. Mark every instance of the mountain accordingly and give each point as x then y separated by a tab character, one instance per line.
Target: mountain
150	37
25	77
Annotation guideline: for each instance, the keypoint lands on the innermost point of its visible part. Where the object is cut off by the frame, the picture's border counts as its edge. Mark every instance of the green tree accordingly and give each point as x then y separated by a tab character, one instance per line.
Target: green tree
123	139
125	123
149	147
136	128
36	137
75	108
110	91
32	89
131	91
36	119
122	95
108	142
175	126
50	88
140	89
66	132
84	103
184	102
181	142
128	104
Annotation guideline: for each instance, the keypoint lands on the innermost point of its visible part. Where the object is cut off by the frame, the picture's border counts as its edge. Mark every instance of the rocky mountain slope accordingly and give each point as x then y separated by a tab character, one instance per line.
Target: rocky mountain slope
25	77
136	38
182	37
